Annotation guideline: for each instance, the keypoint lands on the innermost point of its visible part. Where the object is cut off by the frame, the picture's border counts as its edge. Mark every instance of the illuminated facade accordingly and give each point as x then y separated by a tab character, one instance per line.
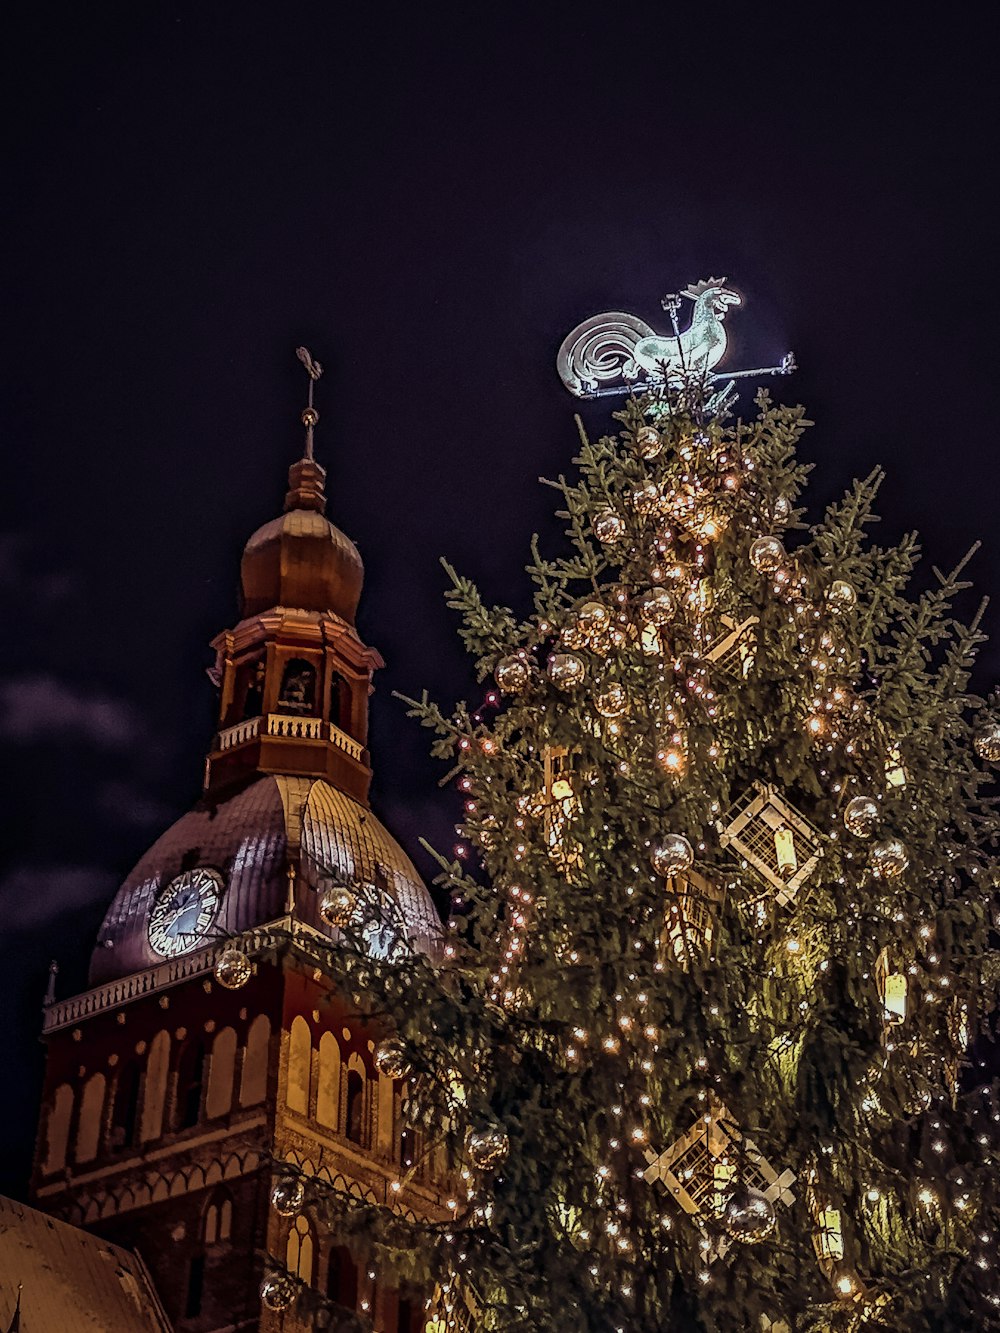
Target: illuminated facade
168	1095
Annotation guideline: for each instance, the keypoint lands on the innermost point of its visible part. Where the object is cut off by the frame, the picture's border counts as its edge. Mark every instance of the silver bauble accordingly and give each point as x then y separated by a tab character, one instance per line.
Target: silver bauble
487	1145
612	701
656	607
889	858
781	509
233	968
277	1291
287	1196
647	498
647	442
841	595
748	1215
392	1058
337	905
987	741
593	618
566	670
571	635
861	816
672	854
512	673
608	527
767	554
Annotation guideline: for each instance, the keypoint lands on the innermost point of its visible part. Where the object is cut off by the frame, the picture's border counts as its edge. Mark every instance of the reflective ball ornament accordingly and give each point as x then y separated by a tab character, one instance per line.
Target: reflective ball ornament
337	905
987	742
841	595
861	816
566	670
672	854
512	674
612	701
767	554
647	442
748	1215
593	618
781	510
889	858
656	607
608	527
392	1058
288	1196
277	1291
487	1146
233	968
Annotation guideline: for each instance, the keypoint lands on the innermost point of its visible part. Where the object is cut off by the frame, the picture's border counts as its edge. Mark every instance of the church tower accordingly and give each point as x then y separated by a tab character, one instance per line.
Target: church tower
212	1045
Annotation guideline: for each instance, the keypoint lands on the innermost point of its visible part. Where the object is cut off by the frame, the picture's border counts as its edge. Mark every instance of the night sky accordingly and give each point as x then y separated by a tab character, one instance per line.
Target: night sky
429	198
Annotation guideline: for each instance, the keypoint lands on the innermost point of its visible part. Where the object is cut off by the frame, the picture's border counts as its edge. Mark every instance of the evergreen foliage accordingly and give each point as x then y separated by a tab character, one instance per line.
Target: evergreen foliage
779	997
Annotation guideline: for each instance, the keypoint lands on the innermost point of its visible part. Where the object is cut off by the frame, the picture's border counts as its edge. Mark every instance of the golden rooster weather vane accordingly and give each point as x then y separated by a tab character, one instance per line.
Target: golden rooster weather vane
622	347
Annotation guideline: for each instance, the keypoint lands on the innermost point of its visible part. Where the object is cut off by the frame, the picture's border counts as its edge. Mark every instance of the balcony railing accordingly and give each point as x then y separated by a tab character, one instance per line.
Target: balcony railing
296	728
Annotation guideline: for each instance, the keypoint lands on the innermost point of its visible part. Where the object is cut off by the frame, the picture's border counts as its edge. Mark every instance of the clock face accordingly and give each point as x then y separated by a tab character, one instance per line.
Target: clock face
184	910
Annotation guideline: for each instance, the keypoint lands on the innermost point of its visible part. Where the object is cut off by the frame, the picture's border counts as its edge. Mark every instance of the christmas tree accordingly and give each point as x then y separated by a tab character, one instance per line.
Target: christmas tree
692	1054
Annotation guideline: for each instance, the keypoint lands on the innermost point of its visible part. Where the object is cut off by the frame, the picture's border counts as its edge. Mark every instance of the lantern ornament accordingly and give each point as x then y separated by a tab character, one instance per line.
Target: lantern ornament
750	830
734	649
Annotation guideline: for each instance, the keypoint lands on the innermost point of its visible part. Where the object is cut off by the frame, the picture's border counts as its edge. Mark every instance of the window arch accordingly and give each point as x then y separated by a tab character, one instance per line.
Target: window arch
355	1118
342	1278
125	1107
57	1128
217	1224
221	1070
155	1092
299	1063
88	1131
298	688
328	1082
300	1251
190	1084
253	1083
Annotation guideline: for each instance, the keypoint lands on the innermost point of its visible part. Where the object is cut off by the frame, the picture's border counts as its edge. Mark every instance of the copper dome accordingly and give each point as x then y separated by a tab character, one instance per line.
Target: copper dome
301	559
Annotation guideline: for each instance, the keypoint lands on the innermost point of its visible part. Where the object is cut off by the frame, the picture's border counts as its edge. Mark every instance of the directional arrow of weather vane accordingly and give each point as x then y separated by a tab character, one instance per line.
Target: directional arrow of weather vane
619	347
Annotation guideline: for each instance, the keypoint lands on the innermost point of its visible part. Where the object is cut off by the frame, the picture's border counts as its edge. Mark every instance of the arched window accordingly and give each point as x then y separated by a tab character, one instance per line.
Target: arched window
125	1109
218	1223
300	1251
299	1065
253	1084
355	1107
340	701
88	1132
155	1092
298	688
342	1278
328	1083
190	1081
253	685
57	1128
221	1071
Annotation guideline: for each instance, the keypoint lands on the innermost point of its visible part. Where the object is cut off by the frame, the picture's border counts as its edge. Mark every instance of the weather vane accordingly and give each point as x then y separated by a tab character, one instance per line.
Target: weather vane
622	347
309	414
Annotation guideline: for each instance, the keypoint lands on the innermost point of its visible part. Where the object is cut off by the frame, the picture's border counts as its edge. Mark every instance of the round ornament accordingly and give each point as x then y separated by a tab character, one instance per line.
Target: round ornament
337	904
487	1145
647	442
767	554
672	854
889	858
656	607
782	509
608	527
277	1291
987	742
612	701
748	1215
841	595
647	498
288	1196
566	670
392	1058
233	968
512	674
861	816
593	619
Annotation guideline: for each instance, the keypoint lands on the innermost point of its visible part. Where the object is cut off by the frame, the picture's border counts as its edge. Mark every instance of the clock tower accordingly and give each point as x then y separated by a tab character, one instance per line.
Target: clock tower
212	1045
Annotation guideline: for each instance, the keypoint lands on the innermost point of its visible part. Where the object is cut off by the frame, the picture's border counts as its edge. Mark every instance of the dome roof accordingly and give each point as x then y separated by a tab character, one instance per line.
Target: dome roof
301	559
249	840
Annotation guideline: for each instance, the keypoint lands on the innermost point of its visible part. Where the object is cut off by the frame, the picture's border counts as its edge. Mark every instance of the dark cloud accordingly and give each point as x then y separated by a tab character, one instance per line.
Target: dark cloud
34	895
126	804
43	707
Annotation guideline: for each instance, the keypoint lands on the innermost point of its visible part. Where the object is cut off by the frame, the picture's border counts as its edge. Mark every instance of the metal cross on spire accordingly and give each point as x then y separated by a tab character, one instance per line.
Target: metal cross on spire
309	414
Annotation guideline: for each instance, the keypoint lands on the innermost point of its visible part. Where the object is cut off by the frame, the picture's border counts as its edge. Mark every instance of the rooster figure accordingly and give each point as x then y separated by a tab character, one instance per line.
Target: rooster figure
617	346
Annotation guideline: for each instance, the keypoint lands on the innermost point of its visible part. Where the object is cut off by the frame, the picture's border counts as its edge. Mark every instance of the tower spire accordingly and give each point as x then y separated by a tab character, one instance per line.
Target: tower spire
309	414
